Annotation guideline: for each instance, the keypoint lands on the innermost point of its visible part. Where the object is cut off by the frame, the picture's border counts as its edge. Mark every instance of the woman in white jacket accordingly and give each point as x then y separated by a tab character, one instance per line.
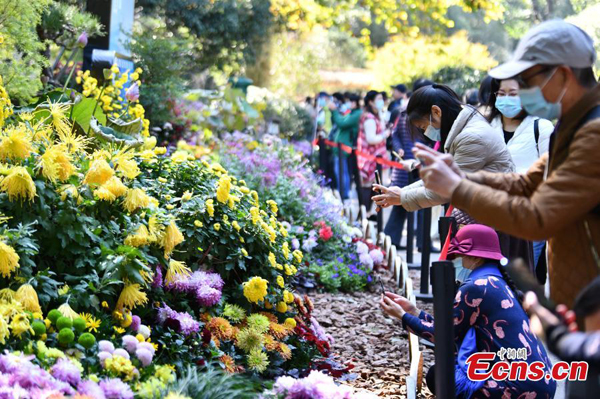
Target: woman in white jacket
527	137
437	112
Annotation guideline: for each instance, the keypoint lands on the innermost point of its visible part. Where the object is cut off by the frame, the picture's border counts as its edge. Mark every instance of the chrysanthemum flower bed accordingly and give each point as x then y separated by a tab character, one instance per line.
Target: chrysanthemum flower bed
120	267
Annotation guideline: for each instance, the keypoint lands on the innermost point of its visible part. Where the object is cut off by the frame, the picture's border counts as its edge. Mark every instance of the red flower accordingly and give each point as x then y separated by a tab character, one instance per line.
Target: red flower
325	232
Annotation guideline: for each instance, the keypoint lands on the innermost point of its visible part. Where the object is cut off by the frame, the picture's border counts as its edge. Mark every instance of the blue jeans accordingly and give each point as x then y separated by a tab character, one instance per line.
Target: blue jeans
395	225
344	179
538	246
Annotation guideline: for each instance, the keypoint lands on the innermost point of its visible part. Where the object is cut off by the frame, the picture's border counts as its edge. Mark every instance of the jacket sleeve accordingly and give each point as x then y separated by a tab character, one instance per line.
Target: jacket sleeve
574	346
518	207
346	121
397	137
546	129
513	183
468	158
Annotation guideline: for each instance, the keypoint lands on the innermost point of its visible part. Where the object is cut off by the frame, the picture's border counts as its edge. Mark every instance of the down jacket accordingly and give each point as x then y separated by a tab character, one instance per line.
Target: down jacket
475	146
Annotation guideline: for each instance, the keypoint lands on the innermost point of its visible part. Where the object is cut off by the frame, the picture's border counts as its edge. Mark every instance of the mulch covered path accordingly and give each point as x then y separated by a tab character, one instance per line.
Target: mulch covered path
373	342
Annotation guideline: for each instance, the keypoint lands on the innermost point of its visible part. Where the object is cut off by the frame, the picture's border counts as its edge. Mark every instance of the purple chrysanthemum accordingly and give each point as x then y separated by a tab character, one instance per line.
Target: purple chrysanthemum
157	282
135	323
130	343
66	371
207	296
180	321
91	389
114	388
106	346
144	355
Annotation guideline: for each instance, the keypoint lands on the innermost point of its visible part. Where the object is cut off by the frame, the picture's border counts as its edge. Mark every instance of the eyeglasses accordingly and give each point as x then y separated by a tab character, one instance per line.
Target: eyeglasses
523	80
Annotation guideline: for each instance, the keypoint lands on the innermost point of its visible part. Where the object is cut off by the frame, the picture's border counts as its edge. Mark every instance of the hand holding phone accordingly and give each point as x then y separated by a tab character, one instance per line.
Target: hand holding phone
378	178
381	285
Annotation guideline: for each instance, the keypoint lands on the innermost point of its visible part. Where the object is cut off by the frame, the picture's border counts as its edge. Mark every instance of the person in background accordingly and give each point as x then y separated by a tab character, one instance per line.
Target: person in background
558	199
527	137
402	144
488	316
485	90
472	97
324	126
310	108
372	135
346	118
399	98
569	344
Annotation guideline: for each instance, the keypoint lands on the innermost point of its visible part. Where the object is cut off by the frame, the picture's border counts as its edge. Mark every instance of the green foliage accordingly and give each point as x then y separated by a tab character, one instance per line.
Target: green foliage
21	50
215	384
293	119
404	60
589	20
167	59
460	79
228	32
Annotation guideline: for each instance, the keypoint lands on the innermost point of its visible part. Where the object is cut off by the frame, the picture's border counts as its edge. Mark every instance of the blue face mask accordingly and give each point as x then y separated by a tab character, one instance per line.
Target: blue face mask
460	273
432	133
534	103
379	104
509	106
344	107
322	102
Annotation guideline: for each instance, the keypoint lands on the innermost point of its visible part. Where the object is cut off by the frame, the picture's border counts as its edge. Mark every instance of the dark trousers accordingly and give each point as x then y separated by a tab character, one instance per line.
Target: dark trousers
395	225
430	381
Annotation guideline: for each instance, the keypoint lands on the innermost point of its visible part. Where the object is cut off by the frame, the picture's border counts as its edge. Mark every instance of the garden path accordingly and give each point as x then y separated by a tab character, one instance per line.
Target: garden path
374	343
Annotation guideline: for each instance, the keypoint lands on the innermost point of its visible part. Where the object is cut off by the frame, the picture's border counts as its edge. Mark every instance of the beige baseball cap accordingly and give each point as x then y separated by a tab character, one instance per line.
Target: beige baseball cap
553	42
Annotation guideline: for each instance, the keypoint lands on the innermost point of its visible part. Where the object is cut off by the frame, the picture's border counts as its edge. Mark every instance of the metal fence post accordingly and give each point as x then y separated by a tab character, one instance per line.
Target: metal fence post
380	213
424	293
443	306
410	229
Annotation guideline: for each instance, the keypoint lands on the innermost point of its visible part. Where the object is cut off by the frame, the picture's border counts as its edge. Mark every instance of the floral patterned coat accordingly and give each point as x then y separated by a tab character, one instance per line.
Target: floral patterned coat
485	303
366	166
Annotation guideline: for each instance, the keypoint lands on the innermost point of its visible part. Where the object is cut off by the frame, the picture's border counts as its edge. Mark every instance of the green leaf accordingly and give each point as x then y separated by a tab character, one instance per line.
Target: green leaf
82	113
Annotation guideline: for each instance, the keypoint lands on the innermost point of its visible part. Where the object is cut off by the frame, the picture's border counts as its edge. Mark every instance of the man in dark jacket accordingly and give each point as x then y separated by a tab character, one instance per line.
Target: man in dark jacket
558	198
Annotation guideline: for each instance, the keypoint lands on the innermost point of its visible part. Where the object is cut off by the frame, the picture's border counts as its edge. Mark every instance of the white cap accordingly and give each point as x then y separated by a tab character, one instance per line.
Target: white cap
554	42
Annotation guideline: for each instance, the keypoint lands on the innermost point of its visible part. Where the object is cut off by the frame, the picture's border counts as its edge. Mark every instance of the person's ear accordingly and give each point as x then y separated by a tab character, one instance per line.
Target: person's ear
436	112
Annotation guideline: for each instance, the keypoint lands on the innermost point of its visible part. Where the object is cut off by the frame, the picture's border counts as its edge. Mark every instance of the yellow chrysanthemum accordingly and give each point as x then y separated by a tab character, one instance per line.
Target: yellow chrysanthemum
139	238
68	311
187	196
290	323
236	225
176	270
273	205
7	295
280	281
18	184
56	164
217	226
272	259
244	252
131	296
180	156
258	360
136	198
16	143
210	207
129	168
115	186
99	173
284	351
282	307
255	289
298	256
28	297
285	249
59	119
223	189
288	297
155	229
20	325
171	238
9	260
254	212
198	223
4	331
248	339
68	190
6	108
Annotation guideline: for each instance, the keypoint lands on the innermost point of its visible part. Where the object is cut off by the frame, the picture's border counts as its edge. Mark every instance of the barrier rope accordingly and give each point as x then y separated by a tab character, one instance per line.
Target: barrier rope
348	150
446	247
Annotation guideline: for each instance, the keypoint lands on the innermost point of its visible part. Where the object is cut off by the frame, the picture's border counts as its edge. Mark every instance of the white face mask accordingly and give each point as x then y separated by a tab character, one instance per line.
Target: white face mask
432	133
460	273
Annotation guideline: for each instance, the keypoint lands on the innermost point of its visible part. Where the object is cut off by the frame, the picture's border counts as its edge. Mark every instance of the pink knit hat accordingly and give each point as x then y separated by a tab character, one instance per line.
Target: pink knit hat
476	240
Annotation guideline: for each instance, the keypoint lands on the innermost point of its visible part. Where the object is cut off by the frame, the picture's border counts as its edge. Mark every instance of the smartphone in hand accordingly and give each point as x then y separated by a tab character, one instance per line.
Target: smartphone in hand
378	178
381	285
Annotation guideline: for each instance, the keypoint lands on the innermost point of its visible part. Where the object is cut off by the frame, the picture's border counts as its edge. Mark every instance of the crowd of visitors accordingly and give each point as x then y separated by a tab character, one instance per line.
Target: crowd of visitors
518	161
